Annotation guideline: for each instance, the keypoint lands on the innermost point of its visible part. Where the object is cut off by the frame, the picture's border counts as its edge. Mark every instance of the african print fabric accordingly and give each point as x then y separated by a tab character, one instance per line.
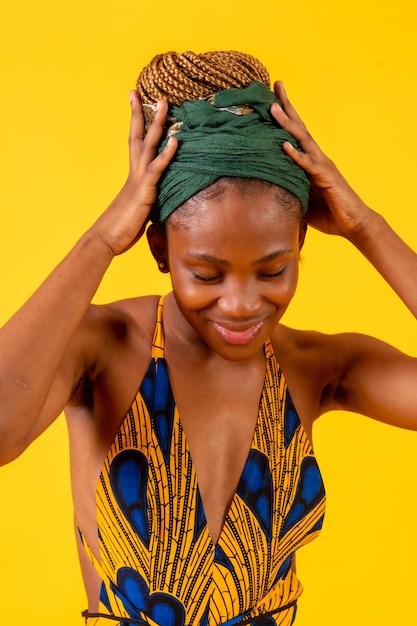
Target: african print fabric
158	563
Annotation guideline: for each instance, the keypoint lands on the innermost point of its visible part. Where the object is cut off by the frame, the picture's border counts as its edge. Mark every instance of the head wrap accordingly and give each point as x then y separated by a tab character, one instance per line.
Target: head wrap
231	133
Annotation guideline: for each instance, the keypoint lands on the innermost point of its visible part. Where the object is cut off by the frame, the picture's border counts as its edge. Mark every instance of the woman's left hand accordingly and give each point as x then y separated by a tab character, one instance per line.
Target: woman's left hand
334	207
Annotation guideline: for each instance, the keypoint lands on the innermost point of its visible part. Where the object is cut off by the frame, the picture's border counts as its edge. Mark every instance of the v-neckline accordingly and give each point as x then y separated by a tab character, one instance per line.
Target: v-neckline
177	417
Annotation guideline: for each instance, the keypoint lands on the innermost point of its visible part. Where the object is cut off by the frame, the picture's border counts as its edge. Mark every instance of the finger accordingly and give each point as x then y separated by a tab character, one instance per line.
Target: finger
297	130
294	127
287	116
155	131
158	165
322	171
136	128
286	104
303	159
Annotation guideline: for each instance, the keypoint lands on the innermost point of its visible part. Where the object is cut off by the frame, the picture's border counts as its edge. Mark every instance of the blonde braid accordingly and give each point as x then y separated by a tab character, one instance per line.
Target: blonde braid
189	76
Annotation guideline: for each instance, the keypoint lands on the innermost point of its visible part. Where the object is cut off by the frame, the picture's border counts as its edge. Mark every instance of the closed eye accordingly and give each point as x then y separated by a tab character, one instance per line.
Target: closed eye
275	274
206	279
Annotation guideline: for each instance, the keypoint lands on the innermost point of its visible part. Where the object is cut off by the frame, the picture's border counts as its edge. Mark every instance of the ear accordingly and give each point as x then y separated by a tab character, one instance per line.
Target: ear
159	247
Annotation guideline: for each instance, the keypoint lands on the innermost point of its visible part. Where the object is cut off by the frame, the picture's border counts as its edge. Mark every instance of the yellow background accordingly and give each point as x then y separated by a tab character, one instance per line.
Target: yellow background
350	67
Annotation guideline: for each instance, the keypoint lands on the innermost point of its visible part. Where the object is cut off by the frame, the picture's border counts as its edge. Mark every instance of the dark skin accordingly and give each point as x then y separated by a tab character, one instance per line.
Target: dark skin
229	294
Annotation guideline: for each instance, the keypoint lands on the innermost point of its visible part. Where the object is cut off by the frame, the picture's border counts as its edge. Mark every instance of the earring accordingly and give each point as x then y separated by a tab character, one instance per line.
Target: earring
161	265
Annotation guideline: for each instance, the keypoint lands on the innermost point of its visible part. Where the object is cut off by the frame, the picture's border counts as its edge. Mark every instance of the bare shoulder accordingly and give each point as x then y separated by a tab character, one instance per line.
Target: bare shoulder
308	361
348	371
314	364
110	338
326	357
305	349
115	319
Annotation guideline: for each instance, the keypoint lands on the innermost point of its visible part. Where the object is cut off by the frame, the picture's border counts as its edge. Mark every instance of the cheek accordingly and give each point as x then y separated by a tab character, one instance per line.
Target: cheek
283	290
188	292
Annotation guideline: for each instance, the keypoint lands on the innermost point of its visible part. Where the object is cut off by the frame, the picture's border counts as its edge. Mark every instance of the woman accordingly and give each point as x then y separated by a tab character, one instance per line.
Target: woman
221	389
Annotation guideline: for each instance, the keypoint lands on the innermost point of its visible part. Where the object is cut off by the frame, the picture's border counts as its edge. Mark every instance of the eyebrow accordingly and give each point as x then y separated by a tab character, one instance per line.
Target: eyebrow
208	258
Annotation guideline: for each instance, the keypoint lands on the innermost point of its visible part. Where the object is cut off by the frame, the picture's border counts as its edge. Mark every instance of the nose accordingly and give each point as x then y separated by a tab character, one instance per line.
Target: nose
240	301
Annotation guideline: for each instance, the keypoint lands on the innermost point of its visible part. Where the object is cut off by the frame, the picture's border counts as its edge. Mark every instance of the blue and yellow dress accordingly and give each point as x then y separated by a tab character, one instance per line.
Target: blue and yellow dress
158	564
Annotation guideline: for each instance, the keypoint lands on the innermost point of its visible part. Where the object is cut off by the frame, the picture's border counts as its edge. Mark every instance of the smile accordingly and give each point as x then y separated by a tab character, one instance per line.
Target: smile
238	336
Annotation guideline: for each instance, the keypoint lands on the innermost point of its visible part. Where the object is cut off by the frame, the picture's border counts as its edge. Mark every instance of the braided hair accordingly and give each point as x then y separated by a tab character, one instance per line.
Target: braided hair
180	77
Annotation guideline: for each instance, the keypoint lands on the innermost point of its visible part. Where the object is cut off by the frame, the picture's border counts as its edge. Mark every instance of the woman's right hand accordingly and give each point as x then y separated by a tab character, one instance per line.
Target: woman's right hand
124	221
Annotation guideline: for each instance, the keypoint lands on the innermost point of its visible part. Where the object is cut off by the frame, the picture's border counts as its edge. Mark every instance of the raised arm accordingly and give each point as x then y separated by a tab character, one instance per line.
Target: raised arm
336	209
40	357
369	376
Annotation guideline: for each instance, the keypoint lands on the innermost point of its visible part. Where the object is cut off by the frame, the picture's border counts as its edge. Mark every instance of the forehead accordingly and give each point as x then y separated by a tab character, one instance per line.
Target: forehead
230	187
241	218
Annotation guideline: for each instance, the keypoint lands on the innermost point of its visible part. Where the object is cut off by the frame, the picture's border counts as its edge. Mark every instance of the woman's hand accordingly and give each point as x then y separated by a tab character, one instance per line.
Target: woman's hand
124	222
334	207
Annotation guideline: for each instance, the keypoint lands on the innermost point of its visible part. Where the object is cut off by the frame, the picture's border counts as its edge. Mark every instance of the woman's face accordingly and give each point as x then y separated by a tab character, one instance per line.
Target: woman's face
234	268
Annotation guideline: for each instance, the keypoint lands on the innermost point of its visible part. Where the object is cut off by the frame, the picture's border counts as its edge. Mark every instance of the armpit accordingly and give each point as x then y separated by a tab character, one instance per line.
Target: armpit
83	393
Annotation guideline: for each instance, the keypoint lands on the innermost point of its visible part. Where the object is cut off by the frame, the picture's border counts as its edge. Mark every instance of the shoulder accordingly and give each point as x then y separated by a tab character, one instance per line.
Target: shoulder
111	337
304	347
314	363
327	355
116	318
348	371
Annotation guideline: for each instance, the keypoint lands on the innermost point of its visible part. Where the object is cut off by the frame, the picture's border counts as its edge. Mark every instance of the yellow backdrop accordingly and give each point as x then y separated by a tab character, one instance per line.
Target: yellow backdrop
350	69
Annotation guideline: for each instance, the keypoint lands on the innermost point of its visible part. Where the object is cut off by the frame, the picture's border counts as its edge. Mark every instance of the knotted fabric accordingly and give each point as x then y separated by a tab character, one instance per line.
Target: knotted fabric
231	133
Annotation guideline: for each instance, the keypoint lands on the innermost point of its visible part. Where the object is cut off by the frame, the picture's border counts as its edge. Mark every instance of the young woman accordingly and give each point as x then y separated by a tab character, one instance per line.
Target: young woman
190	417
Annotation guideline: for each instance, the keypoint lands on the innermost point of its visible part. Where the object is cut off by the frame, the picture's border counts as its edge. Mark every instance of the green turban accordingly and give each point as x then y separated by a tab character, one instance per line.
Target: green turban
232	133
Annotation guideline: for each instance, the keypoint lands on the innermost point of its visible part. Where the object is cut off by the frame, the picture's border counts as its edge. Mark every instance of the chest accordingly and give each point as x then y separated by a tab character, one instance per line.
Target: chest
218	414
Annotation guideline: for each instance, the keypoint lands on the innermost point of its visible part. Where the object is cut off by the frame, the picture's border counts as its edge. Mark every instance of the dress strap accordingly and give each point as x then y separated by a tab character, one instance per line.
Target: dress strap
158	341
269	350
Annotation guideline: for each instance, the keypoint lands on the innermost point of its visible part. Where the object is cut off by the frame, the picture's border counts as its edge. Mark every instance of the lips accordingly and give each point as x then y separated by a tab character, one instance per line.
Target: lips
236	335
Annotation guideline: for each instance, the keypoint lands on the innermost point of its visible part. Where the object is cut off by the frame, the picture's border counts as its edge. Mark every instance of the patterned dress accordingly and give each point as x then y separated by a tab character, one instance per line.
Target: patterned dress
158	564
